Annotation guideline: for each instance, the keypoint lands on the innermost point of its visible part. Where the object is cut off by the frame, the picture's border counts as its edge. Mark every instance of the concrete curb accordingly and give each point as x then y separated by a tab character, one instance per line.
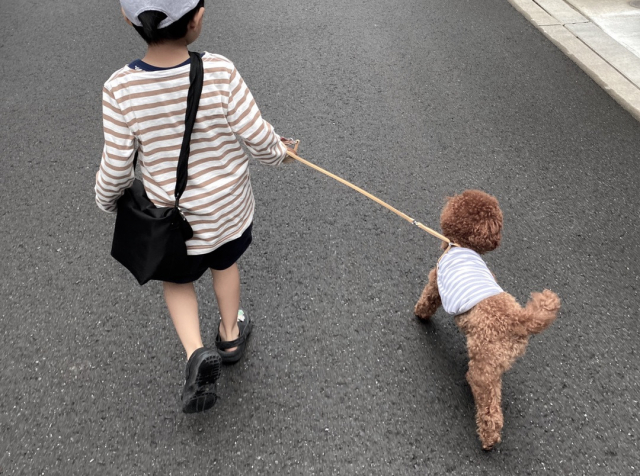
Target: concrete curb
608	63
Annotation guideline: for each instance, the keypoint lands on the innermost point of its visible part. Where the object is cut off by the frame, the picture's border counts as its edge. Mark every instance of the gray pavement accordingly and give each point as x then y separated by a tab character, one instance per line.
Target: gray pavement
411	101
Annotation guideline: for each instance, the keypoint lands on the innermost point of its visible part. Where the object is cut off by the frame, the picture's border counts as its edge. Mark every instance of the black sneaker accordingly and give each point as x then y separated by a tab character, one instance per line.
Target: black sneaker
203	370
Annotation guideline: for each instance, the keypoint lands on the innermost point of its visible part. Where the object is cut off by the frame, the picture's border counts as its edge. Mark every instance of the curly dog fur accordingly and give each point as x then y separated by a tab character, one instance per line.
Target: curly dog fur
497	328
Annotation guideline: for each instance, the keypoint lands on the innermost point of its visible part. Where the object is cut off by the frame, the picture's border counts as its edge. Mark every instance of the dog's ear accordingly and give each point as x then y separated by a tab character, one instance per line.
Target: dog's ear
488	231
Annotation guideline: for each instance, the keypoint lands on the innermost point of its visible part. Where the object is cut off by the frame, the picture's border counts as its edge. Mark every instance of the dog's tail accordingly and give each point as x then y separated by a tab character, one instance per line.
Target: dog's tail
540	311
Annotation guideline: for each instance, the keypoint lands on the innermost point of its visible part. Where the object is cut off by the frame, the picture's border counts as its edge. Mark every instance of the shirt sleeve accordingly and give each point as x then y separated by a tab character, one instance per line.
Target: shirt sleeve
116	167
246	122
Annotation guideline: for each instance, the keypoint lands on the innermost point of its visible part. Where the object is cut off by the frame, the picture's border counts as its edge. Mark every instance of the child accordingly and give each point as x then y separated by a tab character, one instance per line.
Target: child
144	106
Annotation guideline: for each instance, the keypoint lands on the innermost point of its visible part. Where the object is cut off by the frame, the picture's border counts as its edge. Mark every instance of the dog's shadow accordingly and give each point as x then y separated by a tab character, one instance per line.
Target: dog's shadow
445	354
444	343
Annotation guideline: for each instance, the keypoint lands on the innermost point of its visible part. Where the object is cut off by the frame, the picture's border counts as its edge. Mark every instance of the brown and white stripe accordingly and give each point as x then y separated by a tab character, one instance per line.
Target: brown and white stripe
145	110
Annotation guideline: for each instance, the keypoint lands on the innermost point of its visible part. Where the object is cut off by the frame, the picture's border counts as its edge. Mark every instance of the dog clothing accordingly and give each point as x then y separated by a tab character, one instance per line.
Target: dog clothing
464	280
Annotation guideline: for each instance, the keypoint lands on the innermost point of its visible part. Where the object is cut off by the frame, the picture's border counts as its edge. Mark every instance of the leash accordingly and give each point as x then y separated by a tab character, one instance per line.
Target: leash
293	154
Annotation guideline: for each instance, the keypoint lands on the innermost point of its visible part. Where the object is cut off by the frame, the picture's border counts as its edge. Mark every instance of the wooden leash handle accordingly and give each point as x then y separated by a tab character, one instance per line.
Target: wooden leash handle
292	153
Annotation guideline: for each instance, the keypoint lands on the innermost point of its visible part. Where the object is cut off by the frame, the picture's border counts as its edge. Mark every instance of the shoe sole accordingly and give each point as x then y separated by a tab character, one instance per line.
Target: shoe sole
202	401
200	395
209	370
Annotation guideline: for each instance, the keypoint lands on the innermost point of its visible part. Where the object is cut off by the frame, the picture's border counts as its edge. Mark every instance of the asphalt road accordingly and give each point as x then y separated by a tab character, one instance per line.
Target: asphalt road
411	100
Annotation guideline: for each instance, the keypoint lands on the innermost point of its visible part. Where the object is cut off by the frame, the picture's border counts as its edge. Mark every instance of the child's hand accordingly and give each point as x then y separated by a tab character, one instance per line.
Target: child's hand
291	145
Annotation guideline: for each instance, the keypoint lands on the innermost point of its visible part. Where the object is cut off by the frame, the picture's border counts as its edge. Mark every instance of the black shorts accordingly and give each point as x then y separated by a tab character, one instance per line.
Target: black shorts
219	259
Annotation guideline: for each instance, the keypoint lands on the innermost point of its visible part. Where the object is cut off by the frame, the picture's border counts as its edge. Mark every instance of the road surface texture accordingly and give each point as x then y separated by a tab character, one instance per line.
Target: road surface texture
412	100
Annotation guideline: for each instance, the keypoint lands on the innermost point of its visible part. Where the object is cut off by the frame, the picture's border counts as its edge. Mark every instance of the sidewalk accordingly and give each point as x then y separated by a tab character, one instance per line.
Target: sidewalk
601	36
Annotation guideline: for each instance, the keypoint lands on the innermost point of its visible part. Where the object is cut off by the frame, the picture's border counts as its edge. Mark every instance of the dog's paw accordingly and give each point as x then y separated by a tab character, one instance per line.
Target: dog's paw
424	310
422	314
489	441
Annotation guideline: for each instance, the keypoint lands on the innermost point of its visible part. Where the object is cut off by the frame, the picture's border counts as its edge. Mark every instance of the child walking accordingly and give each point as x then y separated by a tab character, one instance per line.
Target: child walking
144	106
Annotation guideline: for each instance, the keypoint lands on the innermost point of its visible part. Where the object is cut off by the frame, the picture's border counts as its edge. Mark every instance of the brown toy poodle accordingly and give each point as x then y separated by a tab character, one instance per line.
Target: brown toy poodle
496	326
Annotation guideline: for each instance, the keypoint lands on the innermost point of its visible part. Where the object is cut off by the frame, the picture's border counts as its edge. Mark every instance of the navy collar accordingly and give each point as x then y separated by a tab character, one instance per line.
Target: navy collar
142	66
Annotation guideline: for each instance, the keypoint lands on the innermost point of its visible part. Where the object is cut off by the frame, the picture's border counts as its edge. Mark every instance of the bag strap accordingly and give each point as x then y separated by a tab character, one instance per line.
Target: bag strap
196	79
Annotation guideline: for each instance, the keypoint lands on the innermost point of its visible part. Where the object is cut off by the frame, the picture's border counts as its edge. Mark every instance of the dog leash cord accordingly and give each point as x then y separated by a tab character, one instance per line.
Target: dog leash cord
295	156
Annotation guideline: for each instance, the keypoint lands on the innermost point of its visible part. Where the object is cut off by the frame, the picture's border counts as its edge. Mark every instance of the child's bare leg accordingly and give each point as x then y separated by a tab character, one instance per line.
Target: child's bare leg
430	299
183	306
226	285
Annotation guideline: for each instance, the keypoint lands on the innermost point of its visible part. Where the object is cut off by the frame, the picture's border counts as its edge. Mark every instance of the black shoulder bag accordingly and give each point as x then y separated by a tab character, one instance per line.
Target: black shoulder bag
150	241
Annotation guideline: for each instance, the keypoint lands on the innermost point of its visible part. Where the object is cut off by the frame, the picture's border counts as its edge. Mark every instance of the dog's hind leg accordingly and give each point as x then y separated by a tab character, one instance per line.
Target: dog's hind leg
430	299
485	380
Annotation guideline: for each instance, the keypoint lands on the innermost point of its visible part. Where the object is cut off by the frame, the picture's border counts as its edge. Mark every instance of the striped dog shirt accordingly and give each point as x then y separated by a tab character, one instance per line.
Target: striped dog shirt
464	280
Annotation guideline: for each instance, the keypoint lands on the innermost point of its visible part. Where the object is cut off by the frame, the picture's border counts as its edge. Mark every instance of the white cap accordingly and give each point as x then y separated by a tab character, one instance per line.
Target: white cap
174	9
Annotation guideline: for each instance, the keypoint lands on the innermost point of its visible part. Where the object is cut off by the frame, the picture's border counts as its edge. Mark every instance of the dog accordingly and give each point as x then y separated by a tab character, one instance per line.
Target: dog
496	327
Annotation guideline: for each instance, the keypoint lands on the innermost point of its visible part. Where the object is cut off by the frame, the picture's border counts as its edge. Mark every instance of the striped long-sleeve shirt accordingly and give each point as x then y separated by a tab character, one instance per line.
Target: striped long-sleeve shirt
144	109
464	280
